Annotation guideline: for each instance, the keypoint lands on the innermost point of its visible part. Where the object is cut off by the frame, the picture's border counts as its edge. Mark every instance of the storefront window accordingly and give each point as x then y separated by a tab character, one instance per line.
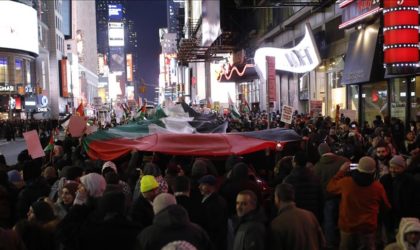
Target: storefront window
336	92
18	71
398	98
3	70
374	101
415	99
353	98
304	87
318	90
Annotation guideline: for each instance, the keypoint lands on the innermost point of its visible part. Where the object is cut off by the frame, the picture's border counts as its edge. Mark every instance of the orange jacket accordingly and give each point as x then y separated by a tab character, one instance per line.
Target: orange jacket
359	205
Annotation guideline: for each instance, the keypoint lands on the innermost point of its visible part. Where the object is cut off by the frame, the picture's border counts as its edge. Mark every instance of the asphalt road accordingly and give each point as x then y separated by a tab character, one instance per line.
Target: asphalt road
11	149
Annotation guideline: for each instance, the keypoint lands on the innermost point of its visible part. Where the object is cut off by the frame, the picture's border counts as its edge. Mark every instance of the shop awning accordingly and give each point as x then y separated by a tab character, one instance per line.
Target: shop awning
239	73
359	60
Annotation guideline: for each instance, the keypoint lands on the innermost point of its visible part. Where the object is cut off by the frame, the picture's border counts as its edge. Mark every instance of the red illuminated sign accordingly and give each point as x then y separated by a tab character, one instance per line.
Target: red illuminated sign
401	36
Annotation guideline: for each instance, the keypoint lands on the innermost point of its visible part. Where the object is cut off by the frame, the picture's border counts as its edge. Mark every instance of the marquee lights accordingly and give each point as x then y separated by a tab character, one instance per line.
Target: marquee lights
401	40
400	9
401	27
404	45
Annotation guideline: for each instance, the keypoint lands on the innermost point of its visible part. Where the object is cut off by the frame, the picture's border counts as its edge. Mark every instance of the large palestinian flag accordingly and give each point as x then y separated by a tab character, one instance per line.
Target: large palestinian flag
111	144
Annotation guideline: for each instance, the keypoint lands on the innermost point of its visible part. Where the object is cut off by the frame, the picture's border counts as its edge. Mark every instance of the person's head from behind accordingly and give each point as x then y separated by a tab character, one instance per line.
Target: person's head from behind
182	185
246	201
299	159
284	193
40	212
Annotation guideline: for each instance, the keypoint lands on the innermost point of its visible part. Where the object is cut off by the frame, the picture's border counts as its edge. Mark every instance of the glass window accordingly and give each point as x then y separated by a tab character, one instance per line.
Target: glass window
415	99
28	71
3	70
336	93
304	87
398	97
18	71
374	101
353	97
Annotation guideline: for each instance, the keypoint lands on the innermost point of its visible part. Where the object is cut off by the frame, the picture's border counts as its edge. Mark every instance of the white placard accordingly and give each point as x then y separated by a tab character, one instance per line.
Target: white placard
287	114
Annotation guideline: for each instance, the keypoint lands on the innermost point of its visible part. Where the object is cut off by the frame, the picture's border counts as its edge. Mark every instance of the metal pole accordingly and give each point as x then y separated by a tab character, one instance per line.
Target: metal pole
267	94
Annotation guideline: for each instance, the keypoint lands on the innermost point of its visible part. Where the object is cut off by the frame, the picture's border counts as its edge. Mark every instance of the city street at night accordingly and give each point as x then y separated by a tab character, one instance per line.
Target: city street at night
209	124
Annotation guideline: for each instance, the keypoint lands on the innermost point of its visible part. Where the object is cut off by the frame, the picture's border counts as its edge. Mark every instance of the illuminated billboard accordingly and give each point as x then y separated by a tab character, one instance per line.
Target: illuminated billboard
129	67
20	31
116	34
116	59
210	27
302	58
115	12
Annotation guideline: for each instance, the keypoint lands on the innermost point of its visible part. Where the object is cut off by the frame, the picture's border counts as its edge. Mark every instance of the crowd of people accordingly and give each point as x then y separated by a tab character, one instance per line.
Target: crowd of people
345	186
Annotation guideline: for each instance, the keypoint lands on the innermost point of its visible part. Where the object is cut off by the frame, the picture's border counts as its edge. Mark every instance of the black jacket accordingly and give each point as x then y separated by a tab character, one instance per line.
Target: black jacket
142	212
308	191
172	226
214	220
250	231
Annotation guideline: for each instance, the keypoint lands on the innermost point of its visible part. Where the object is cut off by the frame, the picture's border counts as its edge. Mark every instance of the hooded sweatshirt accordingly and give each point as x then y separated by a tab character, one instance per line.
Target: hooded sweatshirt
406	225
171	226
361	199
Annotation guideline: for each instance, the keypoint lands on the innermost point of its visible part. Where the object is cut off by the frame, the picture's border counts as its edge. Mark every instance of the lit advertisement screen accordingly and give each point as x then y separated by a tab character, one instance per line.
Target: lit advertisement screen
129	67
116	59
115	12
116	34
20	31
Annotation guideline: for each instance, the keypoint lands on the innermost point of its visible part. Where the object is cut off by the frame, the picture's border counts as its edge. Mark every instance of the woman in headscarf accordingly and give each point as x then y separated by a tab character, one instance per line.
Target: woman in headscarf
68	194
90	189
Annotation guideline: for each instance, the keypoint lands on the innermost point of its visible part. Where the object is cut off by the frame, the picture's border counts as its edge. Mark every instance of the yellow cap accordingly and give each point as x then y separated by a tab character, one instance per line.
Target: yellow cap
148	183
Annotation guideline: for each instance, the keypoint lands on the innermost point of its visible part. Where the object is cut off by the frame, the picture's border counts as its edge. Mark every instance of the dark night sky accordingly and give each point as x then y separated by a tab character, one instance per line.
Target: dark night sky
149	16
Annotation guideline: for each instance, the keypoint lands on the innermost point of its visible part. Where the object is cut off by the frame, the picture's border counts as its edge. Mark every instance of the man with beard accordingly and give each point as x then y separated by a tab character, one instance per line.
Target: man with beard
382	156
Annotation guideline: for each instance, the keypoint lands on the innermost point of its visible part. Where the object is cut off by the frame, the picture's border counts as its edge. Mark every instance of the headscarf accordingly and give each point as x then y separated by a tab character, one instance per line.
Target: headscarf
94	183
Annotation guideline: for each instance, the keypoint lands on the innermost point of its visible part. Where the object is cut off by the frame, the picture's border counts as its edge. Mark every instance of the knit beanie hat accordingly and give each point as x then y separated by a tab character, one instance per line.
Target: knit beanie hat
110	164
366	165
148	183
323	148
398	160
163	201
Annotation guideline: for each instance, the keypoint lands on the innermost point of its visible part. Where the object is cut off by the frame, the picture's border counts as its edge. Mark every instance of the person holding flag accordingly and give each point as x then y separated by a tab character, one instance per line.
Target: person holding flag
233	110
80	111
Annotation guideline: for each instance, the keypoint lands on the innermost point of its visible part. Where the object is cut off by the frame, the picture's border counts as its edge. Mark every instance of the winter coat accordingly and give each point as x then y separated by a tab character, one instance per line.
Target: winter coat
142	212
406	225
295	229
250	231
171	226
326	168
308	191
361	199
214	220
192	207
404	202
